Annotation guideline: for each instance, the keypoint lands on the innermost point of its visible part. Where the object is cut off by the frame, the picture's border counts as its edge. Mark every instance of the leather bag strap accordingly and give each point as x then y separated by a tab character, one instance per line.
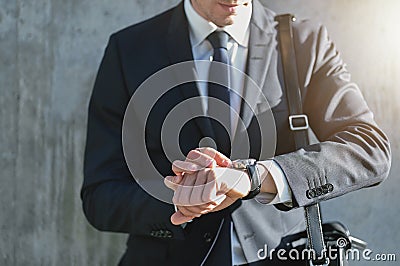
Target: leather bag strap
299	124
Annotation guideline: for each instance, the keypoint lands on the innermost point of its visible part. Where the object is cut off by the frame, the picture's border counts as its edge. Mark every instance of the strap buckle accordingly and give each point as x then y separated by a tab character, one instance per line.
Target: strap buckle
326	263
298	122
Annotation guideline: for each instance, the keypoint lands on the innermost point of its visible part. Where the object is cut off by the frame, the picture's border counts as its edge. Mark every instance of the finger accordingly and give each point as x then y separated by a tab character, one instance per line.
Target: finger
227	202
184	190
179	167
201	159
218	157
172	182
199	186
190	211
206	208
211	193
210	189
196	211
187	189
178	218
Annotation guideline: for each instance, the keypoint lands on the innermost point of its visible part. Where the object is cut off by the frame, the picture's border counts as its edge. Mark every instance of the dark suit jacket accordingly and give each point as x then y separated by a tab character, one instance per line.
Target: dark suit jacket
353	152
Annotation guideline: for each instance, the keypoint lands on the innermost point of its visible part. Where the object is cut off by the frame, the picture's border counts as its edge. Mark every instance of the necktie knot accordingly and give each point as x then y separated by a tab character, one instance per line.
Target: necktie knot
218	39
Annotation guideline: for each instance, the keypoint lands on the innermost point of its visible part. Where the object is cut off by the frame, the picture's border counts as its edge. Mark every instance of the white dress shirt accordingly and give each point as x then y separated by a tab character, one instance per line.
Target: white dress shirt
239	33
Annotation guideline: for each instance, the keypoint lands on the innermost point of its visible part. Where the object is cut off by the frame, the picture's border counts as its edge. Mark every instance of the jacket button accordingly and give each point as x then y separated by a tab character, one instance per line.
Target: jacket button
168	234
161	233
207	237
310	193
325	189
330	187
318	191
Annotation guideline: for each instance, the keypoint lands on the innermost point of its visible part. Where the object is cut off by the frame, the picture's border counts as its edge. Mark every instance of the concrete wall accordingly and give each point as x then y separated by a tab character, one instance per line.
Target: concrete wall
49	54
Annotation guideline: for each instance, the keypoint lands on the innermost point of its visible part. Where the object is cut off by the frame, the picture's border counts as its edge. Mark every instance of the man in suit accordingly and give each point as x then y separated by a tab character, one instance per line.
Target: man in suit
229	221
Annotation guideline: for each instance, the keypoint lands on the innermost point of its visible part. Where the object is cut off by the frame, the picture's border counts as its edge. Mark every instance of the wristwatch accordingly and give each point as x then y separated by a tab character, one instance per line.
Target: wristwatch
250	165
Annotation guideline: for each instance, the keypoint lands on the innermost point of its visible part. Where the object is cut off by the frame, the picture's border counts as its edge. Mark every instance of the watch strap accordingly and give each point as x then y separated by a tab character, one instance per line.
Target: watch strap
255	181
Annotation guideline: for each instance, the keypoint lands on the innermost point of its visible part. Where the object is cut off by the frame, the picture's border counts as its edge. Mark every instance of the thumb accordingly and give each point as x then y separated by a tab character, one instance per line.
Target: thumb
178	218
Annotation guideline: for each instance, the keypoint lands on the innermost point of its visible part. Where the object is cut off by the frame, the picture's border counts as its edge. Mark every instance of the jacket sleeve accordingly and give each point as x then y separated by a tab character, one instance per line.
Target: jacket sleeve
112	200
353	152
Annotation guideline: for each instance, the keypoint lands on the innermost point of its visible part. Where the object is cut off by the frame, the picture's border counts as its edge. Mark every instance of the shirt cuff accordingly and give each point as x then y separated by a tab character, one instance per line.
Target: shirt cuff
284	194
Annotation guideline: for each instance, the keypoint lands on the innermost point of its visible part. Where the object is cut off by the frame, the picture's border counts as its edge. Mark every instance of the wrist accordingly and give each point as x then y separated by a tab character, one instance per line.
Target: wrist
244	183
267	182
250	166
262	171
234	182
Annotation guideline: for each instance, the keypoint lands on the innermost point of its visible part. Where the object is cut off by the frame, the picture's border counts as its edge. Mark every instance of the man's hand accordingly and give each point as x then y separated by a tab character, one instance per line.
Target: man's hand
208	190
203	184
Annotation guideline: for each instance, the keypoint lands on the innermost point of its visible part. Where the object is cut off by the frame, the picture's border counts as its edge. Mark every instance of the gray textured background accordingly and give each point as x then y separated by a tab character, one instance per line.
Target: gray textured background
49	54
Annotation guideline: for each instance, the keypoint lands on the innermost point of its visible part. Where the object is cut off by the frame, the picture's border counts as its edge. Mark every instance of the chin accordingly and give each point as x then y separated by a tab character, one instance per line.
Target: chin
226	22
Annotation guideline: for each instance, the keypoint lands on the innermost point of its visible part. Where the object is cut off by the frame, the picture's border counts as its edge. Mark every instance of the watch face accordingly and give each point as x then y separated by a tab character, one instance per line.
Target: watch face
242	164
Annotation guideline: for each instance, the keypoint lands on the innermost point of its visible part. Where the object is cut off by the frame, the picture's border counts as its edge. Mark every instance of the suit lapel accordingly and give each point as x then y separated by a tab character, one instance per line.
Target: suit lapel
178	40
261	47
180	50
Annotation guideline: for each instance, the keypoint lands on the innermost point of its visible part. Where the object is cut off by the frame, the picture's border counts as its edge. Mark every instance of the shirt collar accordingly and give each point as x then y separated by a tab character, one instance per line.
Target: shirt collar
200	28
